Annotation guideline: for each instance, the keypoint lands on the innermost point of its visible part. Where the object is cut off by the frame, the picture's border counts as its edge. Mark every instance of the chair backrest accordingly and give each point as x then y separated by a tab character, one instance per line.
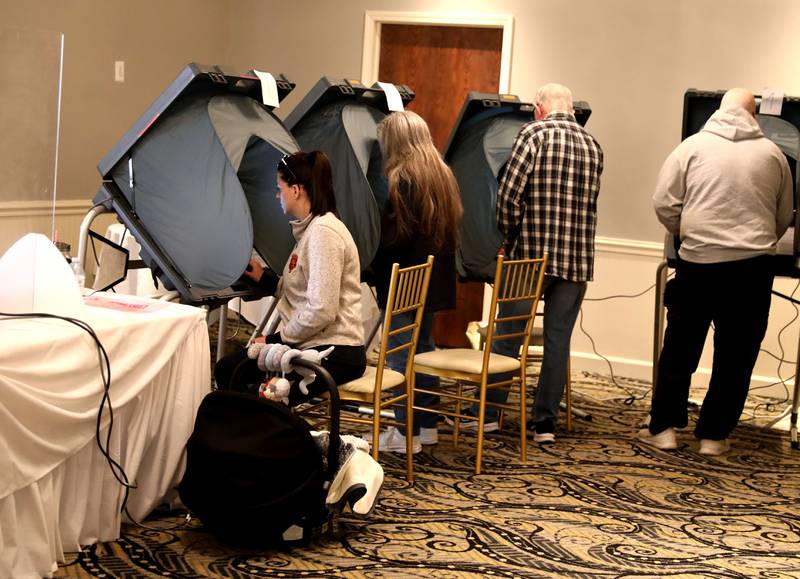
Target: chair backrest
408	290
518	280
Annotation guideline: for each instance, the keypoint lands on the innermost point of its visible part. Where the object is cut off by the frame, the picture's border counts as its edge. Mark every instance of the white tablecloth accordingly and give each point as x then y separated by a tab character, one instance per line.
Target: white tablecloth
56	489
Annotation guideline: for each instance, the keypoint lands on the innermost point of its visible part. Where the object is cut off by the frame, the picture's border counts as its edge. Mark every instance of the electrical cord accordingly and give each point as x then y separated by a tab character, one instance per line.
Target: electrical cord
238	323
641	293
780	359
632	397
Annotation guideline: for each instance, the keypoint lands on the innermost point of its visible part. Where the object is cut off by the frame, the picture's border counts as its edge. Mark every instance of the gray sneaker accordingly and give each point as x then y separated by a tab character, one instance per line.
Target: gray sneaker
472	425
428	436
714	447
664	440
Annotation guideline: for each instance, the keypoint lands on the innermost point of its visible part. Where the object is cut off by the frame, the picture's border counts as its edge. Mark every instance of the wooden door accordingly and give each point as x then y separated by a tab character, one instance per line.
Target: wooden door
442	64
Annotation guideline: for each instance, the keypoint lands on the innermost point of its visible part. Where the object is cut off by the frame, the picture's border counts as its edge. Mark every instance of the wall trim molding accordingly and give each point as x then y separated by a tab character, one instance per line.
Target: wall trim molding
629	247
16	209
373	19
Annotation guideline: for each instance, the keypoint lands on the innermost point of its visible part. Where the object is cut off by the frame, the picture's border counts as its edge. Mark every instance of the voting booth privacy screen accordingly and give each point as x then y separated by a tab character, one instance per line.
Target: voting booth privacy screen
783	129
194	182
340	118
478	149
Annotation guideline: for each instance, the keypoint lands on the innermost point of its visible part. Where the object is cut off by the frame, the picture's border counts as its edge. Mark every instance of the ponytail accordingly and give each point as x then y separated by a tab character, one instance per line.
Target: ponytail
312	171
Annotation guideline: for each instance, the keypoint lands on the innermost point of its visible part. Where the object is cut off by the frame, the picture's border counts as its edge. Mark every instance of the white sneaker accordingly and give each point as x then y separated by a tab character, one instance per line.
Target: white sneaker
665	440
472	425
544	437
429	436
392	440
714	447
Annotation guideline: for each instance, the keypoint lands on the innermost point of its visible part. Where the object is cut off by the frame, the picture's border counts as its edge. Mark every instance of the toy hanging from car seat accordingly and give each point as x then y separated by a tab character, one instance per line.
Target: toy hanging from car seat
278	358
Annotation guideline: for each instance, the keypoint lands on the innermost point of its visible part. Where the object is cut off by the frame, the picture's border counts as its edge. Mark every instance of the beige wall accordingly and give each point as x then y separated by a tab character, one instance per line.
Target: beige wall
154	38
631	59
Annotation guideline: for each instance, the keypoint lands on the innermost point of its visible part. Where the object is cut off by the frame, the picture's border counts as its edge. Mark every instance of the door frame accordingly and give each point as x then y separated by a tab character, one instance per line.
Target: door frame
373	20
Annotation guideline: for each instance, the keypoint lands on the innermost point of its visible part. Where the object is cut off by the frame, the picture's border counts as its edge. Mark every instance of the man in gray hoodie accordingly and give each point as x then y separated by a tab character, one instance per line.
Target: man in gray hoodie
727	193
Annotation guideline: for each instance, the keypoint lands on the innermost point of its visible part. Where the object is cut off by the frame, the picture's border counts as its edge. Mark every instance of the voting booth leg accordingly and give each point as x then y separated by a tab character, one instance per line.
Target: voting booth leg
221	325
795	400
83	235
658	321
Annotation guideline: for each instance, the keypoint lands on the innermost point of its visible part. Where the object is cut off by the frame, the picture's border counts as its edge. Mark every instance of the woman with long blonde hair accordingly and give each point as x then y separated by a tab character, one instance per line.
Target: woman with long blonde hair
421	218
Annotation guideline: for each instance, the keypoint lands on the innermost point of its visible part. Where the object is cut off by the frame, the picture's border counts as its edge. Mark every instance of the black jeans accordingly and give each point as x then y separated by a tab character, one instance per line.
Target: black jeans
735	296
238	372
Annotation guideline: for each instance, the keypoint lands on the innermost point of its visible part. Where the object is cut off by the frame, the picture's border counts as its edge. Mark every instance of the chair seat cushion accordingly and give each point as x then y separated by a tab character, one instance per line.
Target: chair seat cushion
367	382
465	360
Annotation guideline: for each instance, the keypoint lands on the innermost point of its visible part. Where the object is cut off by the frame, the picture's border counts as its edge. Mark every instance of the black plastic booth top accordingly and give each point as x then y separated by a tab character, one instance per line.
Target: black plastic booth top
194	182
783	130
477	151
340	118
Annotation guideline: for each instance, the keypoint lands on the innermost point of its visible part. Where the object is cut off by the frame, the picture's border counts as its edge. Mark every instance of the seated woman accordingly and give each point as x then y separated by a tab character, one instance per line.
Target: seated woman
421	218
319	293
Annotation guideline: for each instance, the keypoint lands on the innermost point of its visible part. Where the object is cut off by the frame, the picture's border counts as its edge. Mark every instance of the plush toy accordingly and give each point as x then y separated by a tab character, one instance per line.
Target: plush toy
278	358
276	389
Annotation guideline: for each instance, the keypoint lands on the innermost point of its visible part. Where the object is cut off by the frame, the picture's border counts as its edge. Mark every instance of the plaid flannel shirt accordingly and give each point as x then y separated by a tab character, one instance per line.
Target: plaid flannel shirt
547	201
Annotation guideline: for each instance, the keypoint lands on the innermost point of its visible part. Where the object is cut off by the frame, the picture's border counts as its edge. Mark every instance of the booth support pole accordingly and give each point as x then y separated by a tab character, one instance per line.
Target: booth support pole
221	324
83	235
795	401
658	321
264	319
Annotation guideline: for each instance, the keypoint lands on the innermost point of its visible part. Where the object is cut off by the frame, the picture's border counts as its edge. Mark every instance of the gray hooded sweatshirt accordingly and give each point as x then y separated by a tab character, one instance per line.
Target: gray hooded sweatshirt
726	191
320	289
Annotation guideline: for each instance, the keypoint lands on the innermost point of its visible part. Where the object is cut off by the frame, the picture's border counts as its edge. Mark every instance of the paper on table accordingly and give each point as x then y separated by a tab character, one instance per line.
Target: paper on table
771	101
123	303
269	89
393	98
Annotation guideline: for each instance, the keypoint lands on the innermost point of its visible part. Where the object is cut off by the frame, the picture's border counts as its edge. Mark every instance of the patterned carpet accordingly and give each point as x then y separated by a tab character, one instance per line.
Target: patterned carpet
596	504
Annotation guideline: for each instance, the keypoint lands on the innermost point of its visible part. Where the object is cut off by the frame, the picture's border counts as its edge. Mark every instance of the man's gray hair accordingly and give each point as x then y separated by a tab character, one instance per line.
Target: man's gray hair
556	97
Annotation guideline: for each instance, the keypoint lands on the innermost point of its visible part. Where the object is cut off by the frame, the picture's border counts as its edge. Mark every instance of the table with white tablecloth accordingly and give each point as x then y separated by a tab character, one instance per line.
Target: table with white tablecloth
57	491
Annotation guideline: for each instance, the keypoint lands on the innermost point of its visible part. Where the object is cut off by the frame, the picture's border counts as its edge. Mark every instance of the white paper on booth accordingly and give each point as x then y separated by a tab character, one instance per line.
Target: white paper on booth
393	98
269	89
771	102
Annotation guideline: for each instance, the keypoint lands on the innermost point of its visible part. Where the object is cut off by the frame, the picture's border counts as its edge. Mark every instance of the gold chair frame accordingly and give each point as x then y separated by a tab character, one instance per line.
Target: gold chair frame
515	280
408	290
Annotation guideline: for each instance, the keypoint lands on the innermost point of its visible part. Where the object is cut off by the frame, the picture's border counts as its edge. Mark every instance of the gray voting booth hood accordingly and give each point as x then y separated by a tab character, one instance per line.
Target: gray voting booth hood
477	151
194	182
782	129
340	118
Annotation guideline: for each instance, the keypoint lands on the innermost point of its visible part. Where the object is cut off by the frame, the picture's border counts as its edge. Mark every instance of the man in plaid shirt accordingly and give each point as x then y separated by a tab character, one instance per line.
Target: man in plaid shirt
547	202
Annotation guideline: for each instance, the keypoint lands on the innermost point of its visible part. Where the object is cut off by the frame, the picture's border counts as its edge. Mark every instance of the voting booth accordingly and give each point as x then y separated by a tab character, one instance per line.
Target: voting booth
477	151
779	120
340	118
194	182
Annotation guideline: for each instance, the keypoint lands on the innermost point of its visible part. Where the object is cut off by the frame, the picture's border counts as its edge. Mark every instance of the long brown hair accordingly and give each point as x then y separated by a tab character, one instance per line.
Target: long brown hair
312	171
429	195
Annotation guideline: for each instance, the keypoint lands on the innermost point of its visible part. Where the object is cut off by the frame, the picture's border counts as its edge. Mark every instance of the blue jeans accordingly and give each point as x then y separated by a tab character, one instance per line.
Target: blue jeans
562	302
398	360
